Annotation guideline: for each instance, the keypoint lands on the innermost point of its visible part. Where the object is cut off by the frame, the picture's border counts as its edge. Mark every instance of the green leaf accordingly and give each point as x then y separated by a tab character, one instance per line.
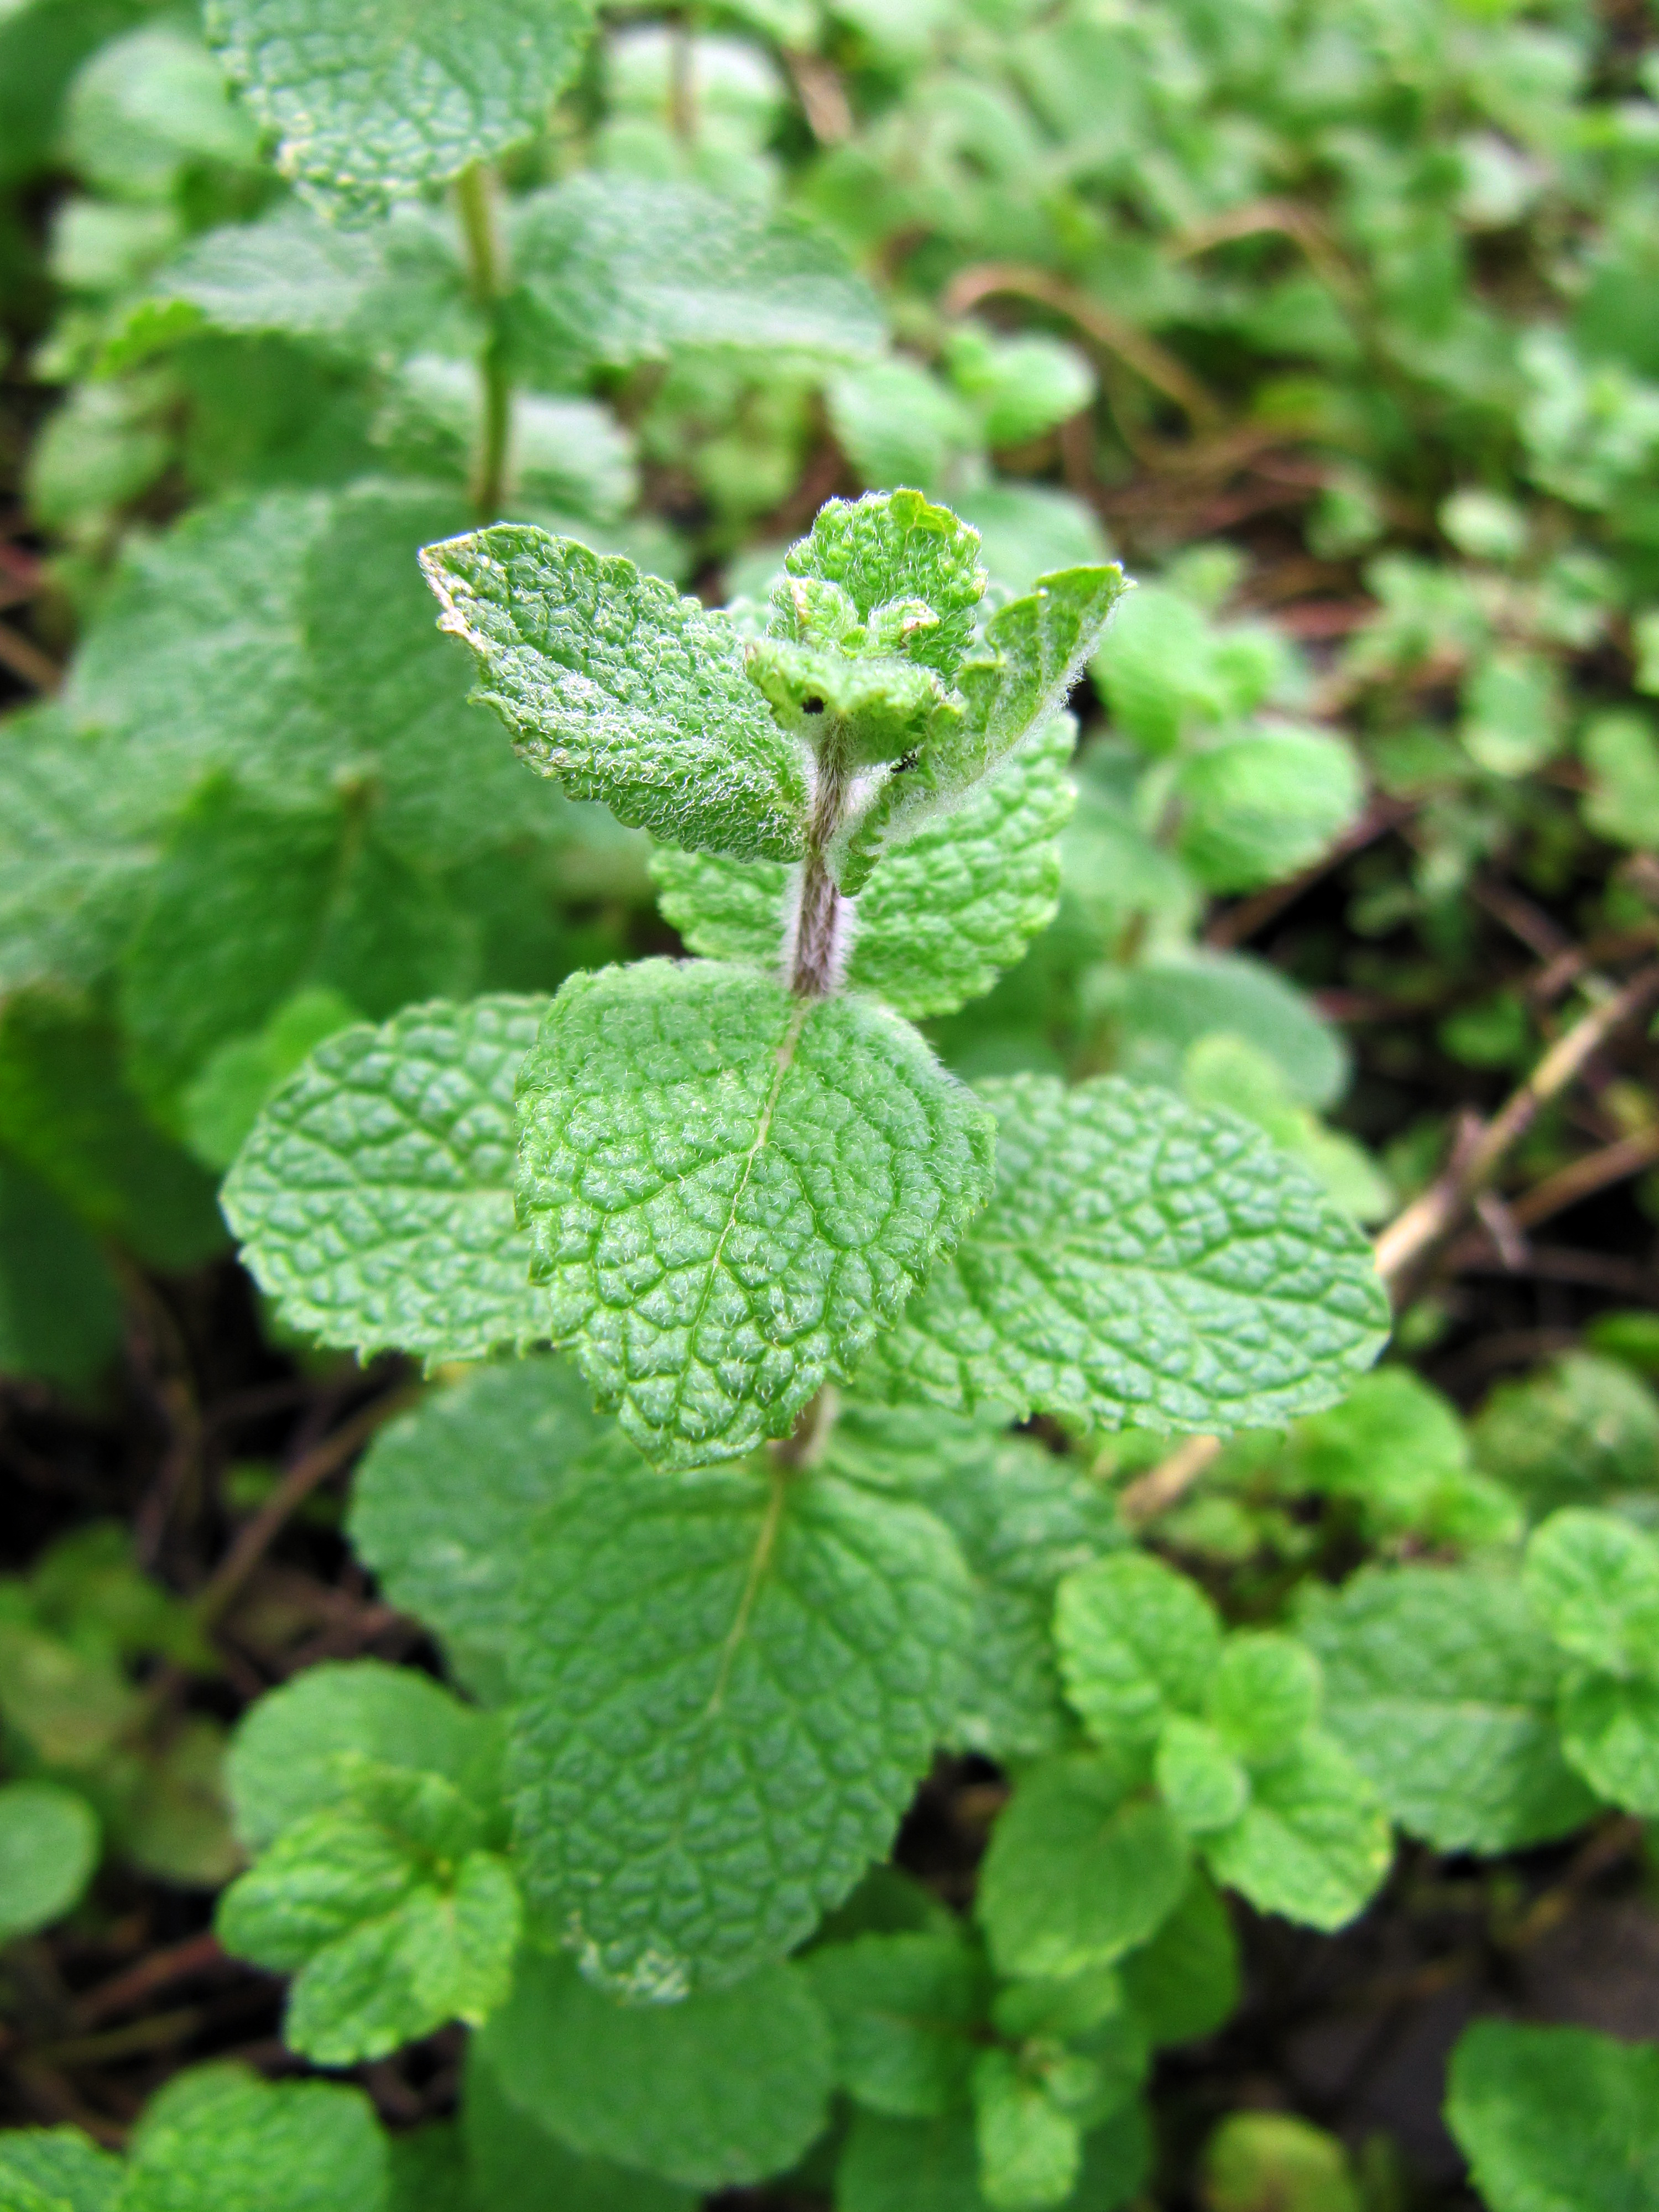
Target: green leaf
1138	1642
945	913
223	1101
284	1760
288	641
428	2169
63	2168
1621	752
933	2165
250	905
901	2009
394	1923
1030	2152
60	1311
1257	807
75	846
443	1501
1258	2160
292	274
730	1189
891	573
624	691
1441	1686
1164	1007
1184	1983
218	2139
1263	1697
1019	387
723	2088
1023	1515
368	103
1398	1452
668	1629
1140	1263
1312	1843
1570	1434
1610	1732
67	1112
1032	653
616	269
48	1850
1593	1580
1079	1871
1198	1778
373	1196
514	2164
1555	2119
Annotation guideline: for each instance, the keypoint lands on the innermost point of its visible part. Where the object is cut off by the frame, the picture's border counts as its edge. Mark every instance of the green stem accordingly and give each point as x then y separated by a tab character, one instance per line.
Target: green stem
486	280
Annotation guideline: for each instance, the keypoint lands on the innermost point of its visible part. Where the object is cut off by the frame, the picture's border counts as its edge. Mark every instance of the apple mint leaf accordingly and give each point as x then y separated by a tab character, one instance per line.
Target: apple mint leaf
1184	1983
616	270
77	842
1552	2119
668	1630
394	1915
1082	1868
1030	2150
287	642
250	903
941	918
217	2139
724	2088
1141	1263
1312	1845
293	274
1138	1642
1257	806
285	1762
1441	1686
902	2010
48	1850
1198	1778
373	1199
514	2164
56	2170
369	103
624	691
1020	677
1593	1579
1264	1694
443	1499
730	1189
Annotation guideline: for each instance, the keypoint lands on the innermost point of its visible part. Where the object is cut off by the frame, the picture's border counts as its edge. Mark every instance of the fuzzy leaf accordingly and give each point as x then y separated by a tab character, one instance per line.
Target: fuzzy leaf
1138	1642
1312	1845
218	2139
370	103
1033	652
901	2008
55	2170
514	2164
373	1196
667	1633
1555	2119
48	1849
622	689
443	1499
1610	1732
1441	1686
1140	1263
1593	1581
284	1763
1185	1982
1030	2152
616	269
939	919
723	2088
730	1189
1079	1871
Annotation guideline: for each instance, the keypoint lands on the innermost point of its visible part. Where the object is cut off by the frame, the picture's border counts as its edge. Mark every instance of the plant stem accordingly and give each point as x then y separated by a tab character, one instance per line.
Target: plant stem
818	919
486	281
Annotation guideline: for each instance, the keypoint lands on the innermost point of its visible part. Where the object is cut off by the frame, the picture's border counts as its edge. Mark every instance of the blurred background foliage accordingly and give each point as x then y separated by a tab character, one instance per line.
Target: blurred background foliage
1334	320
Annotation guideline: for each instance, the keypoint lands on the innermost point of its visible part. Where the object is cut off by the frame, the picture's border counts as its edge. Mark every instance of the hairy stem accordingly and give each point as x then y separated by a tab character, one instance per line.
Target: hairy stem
486	281
817	924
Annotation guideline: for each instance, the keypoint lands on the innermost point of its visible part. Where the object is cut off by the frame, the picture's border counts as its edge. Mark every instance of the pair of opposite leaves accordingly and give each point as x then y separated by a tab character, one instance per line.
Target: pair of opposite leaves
729	1189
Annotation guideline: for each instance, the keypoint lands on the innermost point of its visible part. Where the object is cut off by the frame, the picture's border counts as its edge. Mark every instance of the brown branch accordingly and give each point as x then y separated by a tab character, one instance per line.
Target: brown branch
1290	220
26	660
156	1972
1413	1235
1157	1491
1150	360
312	1468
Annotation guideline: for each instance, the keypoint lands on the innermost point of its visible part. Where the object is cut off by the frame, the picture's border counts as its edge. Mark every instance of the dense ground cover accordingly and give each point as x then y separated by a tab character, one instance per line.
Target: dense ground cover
1252	1724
